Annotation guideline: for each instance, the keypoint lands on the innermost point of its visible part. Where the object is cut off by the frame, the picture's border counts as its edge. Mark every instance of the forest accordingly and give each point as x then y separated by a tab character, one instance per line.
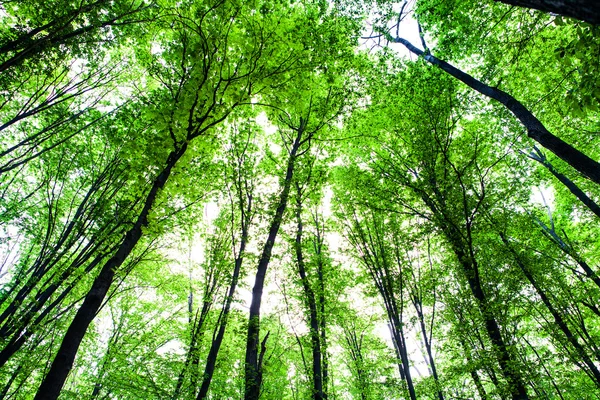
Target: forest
299	199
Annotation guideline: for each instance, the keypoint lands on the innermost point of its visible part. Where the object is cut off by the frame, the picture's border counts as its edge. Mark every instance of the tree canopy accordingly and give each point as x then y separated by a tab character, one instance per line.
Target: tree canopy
210	199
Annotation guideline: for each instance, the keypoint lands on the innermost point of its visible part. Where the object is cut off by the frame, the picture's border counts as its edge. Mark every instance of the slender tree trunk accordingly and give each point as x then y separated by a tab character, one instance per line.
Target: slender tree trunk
244	197
569	184
323	331
376	259
570	251
312	304
398	336
47	261
559	321
543	364
478	384
419	308
63	361
397	351
356	354
535	129
58	36
511	374
211	360
584	10
25	39
501	350
253	376
192	356
21	335
10	381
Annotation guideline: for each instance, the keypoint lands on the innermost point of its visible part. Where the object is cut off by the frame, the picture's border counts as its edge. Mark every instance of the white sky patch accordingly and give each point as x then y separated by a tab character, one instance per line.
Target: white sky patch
263	121
543	196
408	29
156	48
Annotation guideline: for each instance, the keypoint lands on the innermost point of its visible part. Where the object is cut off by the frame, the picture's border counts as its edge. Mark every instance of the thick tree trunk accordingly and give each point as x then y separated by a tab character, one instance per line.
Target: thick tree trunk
63	361
535	129
584	10
253	376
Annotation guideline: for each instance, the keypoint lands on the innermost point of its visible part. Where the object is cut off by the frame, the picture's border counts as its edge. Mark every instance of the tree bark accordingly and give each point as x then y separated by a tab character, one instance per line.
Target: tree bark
569	184
211	360
312	303
63	361
253	376
584	10
558	320
535	129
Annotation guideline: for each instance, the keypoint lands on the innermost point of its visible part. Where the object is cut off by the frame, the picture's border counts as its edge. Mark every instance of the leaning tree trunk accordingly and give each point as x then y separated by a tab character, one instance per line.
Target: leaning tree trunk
535	129
501	350
211	360
584	10
63	361
538	156
558	319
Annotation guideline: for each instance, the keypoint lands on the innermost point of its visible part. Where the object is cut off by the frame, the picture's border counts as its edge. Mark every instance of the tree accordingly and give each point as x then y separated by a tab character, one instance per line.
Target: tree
584	10
201	92
241	193
227	199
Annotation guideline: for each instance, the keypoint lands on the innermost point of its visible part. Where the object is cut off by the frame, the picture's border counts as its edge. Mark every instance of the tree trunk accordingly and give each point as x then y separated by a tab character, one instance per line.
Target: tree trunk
211	360
517	386
21	335
372	245
509	371
569	184
558	320
584	10
322	325
25	47
535	129
253	376
63	361
419	309
312	304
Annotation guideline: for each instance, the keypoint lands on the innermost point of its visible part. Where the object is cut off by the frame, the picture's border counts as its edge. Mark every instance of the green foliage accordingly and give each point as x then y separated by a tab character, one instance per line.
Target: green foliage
409	193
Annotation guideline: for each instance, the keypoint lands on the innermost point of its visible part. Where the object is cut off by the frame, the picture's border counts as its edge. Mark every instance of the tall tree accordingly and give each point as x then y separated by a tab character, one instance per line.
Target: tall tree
585	10
200	97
